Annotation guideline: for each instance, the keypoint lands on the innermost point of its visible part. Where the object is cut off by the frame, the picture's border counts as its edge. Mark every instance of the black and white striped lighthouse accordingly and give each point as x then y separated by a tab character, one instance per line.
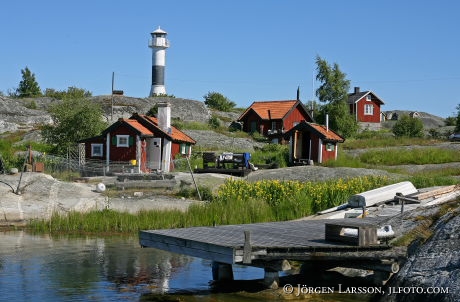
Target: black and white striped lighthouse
158	43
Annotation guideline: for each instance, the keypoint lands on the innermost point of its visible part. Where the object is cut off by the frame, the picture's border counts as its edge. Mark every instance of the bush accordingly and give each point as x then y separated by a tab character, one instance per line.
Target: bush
214	122
409	127
217	101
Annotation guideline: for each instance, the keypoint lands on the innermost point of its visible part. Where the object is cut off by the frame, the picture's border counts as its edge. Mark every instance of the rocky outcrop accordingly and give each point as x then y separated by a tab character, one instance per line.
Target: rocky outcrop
210	139
41	195
433	266
124	107
15	115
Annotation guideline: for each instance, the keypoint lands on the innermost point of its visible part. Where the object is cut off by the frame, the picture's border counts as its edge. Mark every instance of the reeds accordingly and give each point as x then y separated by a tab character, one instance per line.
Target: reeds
236	202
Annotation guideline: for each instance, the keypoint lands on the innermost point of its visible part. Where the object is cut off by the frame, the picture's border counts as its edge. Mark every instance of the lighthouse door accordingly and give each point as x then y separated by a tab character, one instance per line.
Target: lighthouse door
154	153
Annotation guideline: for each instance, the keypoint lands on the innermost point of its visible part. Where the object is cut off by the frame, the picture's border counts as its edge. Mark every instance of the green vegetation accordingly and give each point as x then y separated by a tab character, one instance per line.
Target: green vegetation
216	100
408	127
381	139
28	86
334	92
412	156
70	93
457	124
271	154
236	201
66	115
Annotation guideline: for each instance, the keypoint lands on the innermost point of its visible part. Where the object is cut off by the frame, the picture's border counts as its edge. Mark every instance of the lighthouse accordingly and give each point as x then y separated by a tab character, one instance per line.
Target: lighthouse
158	43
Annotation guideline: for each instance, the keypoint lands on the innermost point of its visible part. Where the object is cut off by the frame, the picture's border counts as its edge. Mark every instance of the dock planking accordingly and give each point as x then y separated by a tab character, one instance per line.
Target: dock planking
291	240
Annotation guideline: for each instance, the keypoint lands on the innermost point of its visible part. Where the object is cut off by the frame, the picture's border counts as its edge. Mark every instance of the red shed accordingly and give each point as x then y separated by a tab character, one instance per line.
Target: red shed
312	142
273	118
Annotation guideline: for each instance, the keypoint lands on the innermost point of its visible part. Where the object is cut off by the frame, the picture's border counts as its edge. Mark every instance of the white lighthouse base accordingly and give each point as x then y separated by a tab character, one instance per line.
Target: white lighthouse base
157	90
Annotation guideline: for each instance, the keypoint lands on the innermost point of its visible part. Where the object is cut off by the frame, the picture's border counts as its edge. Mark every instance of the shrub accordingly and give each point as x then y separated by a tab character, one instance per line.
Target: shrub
216	100
407	126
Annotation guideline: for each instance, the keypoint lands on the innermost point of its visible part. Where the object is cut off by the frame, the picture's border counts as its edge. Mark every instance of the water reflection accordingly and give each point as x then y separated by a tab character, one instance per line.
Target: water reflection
48	268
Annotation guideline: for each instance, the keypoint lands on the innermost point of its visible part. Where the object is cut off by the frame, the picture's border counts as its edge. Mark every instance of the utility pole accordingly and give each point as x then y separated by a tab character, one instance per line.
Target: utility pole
113	80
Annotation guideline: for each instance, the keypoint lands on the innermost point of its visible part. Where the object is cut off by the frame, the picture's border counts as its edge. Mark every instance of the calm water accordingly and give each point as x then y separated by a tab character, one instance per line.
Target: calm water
44	268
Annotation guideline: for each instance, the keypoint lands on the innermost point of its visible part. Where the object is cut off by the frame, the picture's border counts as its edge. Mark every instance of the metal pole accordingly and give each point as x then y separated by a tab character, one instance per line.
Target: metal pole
193	178
113	80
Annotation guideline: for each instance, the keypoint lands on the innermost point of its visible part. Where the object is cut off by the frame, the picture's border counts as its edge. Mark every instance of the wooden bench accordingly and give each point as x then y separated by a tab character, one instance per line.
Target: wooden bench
354	233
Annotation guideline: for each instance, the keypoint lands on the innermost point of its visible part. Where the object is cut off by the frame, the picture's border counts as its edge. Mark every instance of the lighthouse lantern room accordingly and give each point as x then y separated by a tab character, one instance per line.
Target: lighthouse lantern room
158	43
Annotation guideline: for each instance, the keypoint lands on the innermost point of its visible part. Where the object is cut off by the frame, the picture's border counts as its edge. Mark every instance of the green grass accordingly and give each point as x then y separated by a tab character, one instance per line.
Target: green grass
377	140
416	156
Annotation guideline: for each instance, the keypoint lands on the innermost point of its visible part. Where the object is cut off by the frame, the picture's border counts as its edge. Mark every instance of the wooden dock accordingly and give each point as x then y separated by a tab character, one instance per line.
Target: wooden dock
272	245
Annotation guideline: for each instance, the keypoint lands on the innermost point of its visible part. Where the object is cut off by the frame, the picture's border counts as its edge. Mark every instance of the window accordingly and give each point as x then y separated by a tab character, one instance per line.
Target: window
122	140
368	97
184	149
330	147
273	125
369	109
96	150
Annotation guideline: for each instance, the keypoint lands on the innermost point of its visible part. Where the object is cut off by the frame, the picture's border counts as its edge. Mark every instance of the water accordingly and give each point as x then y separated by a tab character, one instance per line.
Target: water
63	268
45	268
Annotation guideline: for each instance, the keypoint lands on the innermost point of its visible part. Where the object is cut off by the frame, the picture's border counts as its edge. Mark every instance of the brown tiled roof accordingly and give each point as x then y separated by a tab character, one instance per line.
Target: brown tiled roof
278	109
175	134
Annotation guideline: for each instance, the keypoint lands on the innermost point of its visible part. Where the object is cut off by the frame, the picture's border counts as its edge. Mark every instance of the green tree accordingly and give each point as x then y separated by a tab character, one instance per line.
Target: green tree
334	93
74	120
457	126
28	86
71	93
216	100
408	127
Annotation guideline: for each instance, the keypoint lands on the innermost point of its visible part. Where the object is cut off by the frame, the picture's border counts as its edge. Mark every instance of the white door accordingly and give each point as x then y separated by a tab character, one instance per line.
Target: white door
154	153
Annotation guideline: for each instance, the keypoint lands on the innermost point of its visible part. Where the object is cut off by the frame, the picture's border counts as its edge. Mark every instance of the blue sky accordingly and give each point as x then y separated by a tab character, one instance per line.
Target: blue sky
407	52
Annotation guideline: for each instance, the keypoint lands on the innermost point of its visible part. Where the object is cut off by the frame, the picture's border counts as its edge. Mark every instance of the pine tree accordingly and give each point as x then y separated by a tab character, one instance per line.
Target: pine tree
28	87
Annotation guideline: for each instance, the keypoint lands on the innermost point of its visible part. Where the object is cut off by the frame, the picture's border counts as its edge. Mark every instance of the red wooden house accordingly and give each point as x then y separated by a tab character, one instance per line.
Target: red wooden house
147	142
273	118
365	106
312	142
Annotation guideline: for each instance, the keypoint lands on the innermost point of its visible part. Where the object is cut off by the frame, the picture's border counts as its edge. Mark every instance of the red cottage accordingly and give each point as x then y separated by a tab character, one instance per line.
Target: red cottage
273	118
365	106
310	142
149	143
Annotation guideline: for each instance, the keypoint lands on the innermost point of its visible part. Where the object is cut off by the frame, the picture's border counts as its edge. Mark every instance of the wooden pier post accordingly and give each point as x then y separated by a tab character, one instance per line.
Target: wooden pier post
271	278
221	271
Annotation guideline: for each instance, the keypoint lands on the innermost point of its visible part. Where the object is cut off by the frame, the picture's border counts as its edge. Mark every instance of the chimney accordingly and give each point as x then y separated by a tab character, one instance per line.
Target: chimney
164	117
298	93
356	90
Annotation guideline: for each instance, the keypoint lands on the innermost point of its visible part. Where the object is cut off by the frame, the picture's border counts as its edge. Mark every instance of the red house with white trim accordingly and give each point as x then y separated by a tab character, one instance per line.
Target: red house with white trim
365	107
273	118
149	143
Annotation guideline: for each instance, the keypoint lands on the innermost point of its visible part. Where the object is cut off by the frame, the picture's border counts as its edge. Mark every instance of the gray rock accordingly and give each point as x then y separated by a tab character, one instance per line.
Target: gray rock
433	265
14	115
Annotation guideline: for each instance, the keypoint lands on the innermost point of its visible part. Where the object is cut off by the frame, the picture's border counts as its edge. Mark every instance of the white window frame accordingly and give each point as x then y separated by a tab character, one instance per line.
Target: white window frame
368	109
93	150
330	147
120	138
368	97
